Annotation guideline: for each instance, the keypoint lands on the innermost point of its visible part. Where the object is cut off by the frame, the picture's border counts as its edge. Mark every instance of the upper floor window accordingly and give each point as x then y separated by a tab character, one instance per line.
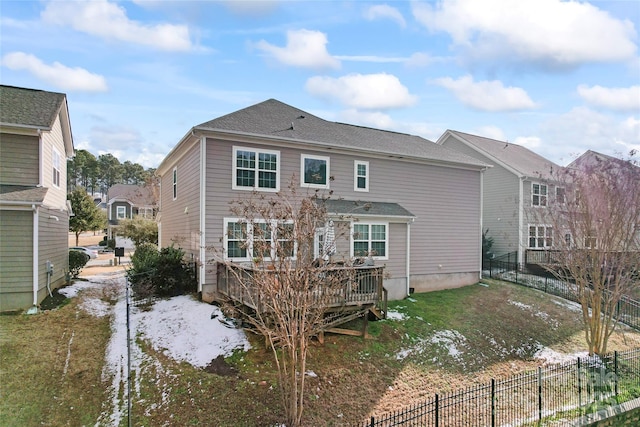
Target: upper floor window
314	171
55	162
256	169
175	183
121	212
539	194
560	195
540	236
370	240
360	176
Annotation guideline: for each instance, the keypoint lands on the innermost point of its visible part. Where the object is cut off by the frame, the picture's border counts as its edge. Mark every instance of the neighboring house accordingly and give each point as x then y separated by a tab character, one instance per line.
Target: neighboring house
416	204
517	182
126	201
35	142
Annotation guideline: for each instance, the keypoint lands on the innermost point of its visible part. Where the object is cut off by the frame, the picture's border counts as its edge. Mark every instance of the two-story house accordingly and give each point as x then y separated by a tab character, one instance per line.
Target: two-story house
35	141
414	204
517	184
126	201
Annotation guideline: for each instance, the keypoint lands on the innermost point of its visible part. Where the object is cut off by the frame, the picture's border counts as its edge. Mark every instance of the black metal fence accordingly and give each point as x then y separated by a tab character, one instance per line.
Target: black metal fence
627	309
559	392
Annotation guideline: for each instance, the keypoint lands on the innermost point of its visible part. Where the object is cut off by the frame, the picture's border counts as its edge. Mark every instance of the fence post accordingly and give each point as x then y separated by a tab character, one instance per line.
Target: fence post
373	421
493	402
546	280
579	386
437	415
615	371
539	393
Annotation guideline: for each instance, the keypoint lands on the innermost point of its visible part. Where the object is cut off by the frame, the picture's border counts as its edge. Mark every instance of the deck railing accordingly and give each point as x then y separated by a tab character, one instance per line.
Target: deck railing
345	286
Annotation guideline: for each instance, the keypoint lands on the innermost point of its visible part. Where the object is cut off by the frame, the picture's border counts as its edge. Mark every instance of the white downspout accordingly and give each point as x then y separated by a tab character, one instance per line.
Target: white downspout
481	219
203	205
521	245
408	262
36	254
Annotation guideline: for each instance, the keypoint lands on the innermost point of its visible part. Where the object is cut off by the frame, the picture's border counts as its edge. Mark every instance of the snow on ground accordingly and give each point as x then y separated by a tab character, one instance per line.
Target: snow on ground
395	315
551	357
541	314
181	327
184	330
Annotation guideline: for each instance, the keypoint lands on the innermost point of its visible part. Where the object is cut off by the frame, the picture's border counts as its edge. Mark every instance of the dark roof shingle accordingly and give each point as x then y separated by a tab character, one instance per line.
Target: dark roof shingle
273	118
29	107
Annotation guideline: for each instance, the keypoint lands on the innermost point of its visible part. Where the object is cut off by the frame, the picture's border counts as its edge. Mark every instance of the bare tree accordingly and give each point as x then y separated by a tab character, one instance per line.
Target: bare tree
290	289
595	227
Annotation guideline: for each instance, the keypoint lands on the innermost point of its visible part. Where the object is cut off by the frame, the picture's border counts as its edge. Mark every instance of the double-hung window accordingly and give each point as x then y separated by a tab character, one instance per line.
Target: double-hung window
55	162
540	236
360	176
560	195
370	239
538	194
256	169
314	171
121	212
264	240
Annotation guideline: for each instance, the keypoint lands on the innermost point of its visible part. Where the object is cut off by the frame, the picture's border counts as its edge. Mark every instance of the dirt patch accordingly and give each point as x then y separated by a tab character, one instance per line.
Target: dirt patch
220	367
55	300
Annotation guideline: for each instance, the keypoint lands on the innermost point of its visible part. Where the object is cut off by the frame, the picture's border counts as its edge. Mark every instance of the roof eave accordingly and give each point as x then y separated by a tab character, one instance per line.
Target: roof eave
205	130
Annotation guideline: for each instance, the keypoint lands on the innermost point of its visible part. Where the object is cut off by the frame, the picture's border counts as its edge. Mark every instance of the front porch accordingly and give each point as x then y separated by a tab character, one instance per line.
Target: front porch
349	293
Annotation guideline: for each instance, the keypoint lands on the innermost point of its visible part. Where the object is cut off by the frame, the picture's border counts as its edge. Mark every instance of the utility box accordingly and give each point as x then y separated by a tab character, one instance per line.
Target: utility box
119	251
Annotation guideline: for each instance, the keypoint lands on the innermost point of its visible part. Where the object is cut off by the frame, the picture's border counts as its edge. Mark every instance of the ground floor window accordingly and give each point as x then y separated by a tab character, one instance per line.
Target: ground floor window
370	239
266	240
540	236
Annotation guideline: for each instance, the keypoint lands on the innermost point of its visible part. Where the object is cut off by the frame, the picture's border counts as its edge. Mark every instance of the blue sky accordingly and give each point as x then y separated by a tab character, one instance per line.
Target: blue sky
558	77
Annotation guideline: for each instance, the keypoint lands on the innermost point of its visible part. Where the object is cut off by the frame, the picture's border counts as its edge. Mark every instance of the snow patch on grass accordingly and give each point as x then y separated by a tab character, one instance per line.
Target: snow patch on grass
551	357
396	315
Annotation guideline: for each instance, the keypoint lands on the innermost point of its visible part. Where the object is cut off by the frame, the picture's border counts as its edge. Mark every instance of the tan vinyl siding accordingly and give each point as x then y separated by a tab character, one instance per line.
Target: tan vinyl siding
19	162
180	217
53	246
500	204
56	196
444	237
16	259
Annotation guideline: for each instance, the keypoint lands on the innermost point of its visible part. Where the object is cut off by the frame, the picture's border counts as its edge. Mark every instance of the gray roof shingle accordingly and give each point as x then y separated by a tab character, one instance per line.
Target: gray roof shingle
29	107
22	194
521	159
356	208
276	119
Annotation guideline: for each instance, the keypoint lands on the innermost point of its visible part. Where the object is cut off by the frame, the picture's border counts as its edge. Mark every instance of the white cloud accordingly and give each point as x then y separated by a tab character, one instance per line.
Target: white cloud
383	11
109	21
614	98
492	132
530	142
372	119
487	95
363	91
56	74
551	33
571	134
305	48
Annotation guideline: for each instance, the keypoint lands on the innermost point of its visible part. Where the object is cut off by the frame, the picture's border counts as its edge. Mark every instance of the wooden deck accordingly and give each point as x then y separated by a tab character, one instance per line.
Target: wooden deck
360	292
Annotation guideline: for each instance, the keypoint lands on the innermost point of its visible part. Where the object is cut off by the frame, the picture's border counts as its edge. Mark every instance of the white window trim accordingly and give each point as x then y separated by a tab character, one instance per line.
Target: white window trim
326	159
175	182
274	239
122	209
546	195
545	246
357	163
234	168
370	223
55	167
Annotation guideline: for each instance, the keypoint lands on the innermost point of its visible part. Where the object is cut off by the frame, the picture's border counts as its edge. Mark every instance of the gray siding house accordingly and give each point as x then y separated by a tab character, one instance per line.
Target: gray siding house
126	201
35	142
419	203
518	181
